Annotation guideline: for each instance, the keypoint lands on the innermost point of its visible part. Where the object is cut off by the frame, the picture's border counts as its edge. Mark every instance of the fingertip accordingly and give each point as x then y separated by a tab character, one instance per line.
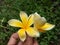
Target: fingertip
15	36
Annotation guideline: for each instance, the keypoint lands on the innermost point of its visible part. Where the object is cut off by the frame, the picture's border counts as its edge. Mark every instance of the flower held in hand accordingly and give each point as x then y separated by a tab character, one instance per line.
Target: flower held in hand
25	26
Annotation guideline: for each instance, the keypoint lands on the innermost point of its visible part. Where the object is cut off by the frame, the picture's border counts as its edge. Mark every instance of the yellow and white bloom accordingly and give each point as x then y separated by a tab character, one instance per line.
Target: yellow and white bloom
25	26
41	24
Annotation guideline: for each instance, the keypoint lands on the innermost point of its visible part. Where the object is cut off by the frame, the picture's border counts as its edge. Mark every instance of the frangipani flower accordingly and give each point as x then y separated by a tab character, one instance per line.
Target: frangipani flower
25	26
41	24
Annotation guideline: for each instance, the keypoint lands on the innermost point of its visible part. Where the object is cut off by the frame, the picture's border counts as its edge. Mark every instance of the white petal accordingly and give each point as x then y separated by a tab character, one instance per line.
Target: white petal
15	23
48	26
32	32
22	34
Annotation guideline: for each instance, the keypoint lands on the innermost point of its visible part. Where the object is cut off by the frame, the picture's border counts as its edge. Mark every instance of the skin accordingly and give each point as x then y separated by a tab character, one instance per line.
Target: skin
28	41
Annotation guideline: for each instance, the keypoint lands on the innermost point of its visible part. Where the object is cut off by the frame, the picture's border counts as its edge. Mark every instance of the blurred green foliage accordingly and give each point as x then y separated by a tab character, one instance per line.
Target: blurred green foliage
50	9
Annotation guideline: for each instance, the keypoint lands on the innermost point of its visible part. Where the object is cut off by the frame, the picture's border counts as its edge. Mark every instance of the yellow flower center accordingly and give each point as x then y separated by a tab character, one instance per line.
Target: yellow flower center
25	26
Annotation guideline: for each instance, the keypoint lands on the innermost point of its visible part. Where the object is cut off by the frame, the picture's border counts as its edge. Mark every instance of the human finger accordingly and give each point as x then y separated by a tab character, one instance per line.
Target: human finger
28	41
35	42
13	39
20	43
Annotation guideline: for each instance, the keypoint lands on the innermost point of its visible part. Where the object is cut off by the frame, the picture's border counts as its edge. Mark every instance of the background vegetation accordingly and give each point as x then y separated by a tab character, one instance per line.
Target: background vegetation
50	9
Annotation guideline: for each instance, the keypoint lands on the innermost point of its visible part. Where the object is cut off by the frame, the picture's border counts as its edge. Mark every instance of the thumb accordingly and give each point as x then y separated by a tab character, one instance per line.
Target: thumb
13	39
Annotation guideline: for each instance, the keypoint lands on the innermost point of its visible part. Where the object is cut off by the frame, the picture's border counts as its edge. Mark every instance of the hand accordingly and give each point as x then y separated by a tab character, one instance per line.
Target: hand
28	41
